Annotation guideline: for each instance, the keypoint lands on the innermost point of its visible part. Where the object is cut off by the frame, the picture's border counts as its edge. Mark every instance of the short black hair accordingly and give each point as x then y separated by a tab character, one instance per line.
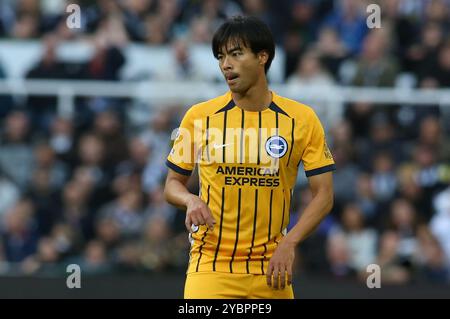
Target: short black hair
248	30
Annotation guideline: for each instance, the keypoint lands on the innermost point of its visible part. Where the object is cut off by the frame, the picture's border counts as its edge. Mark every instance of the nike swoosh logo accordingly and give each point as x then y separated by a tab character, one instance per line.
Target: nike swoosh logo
216	146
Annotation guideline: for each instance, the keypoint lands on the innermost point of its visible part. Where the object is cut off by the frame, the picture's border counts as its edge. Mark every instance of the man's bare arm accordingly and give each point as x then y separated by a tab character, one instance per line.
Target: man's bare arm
177	194
322	191
282	260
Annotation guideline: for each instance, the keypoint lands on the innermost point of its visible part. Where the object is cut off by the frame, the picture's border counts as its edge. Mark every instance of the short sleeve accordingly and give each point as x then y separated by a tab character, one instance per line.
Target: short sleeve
316	158
181	158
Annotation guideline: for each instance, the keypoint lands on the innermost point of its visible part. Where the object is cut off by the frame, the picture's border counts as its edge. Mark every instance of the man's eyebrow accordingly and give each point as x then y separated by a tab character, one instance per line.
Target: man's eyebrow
234	49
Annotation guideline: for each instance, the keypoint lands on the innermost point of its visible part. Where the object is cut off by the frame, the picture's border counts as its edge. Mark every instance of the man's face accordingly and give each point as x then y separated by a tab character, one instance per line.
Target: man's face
240	66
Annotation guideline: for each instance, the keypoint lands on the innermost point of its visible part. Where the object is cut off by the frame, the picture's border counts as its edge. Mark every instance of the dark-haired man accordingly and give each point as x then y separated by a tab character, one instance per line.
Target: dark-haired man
247	145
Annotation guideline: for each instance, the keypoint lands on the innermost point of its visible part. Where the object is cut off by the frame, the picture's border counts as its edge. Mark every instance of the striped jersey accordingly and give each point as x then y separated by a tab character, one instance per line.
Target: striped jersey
247	164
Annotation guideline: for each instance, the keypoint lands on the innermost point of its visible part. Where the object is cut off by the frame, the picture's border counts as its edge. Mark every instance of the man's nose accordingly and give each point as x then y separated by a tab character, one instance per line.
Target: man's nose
226	64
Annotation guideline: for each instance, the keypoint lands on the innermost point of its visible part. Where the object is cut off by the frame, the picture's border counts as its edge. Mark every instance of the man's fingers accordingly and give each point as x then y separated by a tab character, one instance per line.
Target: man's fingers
209	219
188	223
276	274
269	275
289	278
283	278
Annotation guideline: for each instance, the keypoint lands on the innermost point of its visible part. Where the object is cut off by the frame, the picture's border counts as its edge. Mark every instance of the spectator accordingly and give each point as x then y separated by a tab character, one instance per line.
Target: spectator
331	50
375	66
349	21
126	211
311	75
95	259
108	128
356	244
16	153
19	234
440	223
10	194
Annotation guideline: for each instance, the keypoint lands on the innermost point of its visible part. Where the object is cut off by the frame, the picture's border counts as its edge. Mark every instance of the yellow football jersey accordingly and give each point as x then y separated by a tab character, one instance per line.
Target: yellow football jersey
247	164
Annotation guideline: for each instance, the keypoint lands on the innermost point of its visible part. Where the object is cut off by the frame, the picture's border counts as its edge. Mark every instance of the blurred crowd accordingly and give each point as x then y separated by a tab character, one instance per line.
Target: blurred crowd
89	190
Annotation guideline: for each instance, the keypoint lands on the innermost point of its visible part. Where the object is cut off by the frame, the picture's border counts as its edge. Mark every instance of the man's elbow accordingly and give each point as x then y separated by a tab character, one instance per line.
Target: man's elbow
166	192
329	201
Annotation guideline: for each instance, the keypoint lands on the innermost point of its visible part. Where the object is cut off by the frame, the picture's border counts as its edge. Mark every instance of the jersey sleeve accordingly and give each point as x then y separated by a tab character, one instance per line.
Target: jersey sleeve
181	158
316	158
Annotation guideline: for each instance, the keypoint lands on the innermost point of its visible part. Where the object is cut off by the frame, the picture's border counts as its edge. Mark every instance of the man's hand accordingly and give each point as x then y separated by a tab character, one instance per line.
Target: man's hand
198	213
281	264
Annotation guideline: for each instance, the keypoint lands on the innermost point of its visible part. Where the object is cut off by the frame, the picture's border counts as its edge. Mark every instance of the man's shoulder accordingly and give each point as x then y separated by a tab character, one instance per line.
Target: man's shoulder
209	107
293	108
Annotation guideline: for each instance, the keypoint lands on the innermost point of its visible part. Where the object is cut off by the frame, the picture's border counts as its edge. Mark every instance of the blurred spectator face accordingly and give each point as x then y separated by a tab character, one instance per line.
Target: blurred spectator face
302	11
425	156
328	42
383	163
139	152
156	30
108	231
254	7
342	133
25	27
350	8
436	10
352	218
156	196
137	6
47	251
309	65
432	35
41	180
74	194
61	135
168	9
389	244
364	185
50	45
211	8
107	124
17	126
381	131
341	155
18	219
430	130
95	253
84	177
62	126
91	150
444	57
44	156
337	251
374	45
157	229
63	237
408	184
181	51
390	7
200	30
131	200
160	121
29	6
402	214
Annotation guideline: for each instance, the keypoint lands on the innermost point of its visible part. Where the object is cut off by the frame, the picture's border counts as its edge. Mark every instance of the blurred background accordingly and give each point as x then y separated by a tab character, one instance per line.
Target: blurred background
87	114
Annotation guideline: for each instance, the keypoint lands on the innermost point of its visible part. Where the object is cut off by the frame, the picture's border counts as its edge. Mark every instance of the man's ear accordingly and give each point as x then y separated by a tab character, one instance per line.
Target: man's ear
263	57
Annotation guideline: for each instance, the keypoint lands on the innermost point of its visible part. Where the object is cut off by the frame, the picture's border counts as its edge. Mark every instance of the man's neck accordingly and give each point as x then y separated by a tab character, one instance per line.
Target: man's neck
257	98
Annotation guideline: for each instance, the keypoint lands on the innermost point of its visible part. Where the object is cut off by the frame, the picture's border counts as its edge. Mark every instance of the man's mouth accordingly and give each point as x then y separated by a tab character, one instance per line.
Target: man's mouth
231	77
